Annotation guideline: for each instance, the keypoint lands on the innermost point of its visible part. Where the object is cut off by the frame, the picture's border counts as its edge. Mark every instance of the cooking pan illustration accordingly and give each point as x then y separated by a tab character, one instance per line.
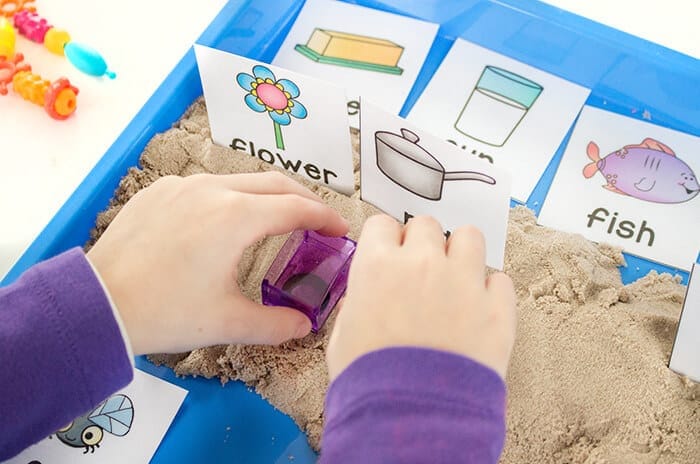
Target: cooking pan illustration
412	167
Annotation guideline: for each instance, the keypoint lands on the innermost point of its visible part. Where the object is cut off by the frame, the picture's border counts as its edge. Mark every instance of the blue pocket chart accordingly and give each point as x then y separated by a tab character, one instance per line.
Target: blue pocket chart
626	75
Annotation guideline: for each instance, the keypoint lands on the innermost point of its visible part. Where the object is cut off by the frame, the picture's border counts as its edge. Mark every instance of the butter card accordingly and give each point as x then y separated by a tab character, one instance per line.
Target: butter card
629	183
289	120
498	109
370	52
405	171
127	427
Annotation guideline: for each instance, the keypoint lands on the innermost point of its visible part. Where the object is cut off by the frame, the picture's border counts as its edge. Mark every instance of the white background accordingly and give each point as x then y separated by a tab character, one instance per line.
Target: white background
155	404
532	144
572	197
387	90
39	173
457	206
44	160
322	138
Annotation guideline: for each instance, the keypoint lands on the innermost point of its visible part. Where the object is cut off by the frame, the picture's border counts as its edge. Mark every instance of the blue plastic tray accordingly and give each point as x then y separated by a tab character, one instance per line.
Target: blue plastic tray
626	74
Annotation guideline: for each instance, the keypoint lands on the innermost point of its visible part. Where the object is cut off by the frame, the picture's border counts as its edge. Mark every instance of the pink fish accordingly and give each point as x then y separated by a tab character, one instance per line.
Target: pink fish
649	171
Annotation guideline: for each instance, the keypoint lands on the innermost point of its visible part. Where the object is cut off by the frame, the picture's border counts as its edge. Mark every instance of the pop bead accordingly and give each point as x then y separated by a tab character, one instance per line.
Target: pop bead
8	8
87	60
59	98
7	38
55	40
31	25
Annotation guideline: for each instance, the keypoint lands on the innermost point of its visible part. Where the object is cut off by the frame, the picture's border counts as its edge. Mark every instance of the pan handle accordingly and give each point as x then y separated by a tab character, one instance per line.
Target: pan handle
470	175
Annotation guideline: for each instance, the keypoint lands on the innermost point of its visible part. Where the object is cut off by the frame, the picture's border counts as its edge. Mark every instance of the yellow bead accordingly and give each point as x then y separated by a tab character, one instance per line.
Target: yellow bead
55	40
7	38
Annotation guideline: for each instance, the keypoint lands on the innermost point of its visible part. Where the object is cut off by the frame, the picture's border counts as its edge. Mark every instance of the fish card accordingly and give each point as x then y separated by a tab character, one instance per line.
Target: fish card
371	53
286	119
629	183
127	427
685	357
501	110
405	172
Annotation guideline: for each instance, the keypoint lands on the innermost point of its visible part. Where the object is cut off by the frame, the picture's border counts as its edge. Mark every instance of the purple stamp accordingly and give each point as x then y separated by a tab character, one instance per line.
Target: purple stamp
310	273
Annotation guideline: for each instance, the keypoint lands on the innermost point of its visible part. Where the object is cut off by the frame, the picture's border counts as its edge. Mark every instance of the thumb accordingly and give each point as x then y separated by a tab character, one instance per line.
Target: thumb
272	325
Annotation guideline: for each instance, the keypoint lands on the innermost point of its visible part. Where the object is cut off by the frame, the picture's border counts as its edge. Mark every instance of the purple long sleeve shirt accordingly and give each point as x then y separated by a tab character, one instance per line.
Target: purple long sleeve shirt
62	352
414	405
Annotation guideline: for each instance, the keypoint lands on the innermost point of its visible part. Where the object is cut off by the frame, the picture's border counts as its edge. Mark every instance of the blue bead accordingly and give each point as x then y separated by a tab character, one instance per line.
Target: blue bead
87	60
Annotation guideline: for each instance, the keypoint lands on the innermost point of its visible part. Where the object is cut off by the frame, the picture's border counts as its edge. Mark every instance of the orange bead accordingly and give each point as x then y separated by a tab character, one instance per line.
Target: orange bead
8	8
30	86
9	68
61	99
66	102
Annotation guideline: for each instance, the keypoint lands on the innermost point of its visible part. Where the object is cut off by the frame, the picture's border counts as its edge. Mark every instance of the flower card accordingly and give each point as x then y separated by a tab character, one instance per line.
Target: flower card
498	109
372	53
127	427
286	119
629	183
406	172
685	357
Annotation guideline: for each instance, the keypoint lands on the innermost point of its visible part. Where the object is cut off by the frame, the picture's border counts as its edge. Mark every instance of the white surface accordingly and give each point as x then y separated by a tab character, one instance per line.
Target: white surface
455	205
155	403
685	358
671	23
572	197
308	141
388	90
44	160
444	109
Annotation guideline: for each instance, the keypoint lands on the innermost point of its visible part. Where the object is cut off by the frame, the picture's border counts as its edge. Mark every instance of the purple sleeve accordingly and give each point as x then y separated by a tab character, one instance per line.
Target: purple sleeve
61	350
414	405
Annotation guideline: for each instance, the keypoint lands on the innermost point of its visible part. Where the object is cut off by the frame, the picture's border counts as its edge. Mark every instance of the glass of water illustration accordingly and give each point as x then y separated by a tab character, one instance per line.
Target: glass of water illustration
498	103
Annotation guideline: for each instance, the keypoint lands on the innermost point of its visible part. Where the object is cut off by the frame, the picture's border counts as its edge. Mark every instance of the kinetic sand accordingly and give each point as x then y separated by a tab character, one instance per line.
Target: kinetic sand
588	381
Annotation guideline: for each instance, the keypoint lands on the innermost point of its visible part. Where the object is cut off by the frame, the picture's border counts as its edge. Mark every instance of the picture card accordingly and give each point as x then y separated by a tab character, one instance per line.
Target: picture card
629	183
685	357
127	427
289	120
406	172
369	52
498	109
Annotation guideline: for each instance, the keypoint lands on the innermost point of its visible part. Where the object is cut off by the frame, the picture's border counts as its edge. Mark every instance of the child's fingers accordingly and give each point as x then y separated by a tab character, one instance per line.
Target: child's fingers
466	247
380	229
265	183
280	214
424	232
267	325
500	287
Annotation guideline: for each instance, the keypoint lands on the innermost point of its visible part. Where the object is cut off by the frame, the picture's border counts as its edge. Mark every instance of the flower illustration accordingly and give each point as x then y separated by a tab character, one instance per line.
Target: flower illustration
277	97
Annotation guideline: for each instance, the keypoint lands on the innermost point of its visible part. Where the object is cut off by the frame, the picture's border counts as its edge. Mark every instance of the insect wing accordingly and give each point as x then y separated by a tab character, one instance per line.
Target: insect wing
114	415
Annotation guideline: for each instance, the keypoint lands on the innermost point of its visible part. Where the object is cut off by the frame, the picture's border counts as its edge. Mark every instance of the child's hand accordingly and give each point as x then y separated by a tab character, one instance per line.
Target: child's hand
408	287
170	259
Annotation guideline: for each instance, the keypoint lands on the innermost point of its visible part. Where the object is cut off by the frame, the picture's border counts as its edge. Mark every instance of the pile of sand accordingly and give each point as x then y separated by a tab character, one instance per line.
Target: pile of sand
588	380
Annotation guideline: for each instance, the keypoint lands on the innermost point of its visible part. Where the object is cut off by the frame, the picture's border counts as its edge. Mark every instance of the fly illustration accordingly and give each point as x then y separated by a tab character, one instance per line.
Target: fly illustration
650	171
114	416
